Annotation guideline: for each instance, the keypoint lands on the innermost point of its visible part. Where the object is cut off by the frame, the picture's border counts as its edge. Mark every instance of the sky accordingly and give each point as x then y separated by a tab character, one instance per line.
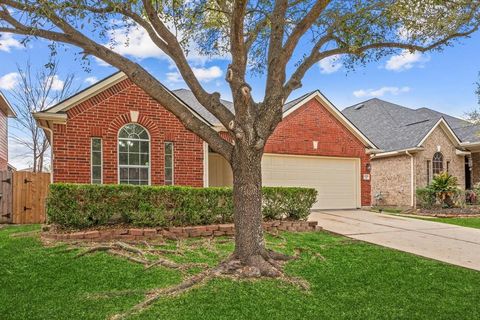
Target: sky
444	81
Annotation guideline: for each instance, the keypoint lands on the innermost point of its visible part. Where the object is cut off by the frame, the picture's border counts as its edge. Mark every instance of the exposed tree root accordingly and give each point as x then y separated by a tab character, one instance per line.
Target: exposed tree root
92	249
26	234
129	248
137	255
157	294
117	293
164	251
268	263
231	269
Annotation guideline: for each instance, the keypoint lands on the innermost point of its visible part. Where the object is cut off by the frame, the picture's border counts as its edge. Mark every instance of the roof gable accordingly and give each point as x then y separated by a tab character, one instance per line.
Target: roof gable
56	114
446	128
393	127
87	93
299	102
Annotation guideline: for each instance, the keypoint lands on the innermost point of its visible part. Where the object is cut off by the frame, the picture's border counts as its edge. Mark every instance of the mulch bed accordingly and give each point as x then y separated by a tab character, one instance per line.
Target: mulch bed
467	212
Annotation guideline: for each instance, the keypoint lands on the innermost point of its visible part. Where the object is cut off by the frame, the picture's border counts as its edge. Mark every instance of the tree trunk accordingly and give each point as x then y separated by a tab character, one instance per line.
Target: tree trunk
247	200
40	162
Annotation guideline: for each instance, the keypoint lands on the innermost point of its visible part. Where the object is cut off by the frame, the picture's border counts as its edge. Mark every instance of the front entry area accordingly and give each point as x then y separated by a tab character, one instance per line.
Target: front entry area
337	180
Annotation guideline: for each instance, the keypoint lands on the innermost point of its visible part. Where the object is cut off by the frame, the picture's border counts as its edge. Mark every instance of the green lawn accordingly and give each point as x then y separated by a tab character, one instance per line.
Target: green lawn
355	281
465	222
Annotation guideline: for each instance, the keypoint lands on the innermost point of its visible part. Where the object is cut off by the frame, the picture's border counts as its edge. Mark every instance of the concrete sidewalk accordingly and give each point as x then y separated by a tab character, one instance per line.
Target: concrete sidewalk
444	242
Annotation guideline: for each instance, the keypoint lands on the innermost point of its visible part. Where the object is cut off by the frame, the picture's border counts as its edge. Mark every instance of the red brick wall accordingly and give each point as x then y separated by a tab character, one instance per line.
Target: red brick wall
313	122
3	141
103	116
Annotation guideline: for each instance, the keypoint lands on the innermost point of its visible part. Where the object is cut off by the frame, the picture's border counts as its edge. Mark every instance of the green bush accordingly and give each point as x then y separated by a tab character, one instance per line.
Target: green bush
426	197
443	190
82	206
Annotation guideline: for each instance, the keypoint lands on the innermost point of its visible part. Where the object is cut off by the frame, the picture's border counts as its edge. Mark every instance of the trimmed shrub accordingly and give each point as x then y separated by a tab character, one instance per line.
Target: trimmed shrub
287	203
84	205
426	197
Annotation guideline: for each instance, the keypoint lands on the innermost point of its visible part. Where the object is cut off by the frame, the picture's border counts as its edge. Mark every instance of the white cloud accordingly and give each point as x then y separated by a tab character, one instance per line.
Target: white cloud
134	42
362	93
406	60
208	74
55	82
203	74
330	64
8	42
174	77
9	81
91	80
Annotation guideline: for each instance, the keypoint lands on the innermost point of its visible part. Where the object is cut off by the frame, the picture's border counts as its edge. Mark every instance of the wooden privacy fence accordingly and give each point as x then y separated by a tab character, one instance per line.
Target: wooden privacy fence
23	196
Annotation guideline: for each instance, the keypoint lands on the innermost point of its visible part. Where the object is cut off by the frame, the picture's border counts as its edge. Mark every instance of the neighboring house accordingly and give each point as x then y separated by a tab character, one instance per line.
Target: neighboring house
416	145
113	132
6	111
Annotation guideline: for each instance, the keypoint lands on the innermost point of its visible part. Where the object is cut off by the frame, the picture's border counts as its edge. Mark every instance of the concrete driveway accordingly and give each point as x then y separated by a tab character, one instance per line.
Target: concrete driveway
444	242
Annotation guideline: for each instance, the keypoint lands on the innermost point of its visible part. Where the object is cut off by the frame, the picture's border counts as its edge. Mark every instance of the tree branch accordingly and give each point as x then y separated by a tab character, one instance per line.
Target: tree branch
315	56
134	71
210	101
302	27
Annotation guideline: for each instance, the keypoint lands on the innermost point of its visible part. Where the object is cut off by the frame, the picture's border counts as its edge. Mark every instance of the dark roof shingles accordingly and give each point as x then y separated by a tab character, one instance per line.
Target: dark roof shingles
394	127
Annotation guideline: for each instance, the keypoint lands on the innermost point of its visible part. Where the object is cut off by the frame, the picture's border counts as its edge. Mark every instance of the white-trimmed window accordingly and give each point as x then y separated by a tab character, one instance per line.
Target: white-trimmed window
169	166
96	161
437	163
133	155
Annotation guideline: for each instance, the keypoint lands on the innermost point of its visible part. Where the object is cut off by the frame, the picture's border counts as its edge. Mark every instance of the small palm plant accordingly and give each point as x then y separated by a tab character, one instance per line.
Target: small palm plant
445	187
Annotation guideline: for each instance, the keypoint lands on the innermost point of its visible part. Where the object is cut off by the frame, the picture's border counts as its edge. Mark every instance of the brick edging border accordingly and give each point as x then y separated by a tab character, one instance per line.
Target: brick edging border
214	230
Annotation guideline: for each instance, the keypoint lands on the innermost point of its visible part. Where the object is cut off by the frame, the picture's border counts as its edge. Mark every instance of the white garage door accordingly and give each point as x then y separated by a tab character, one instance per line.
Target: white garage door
337	180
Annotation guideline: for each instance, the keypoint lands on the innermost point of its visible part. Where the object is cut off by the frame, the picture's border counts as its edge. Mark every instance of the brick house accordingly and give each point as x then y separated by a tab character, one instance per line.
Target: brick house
6	111
415	145
113	132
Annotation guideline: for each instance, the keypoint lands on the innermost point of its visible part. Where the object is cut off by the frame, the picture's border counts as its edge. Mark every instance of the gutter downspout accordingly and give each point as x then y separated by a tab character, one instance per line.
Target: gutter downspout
412	183
51	152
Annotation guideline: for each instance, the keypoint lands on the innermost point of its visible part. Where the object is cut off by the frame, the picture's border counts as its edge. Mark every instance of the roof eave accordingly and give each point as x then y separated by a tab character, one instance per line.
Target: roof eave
88	93
8	109
395	153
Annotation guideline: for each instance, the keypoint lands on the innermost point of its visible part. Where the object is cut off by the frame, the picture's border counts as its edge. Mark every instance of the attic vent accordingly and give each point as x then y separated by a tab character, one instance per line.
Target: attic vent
359	106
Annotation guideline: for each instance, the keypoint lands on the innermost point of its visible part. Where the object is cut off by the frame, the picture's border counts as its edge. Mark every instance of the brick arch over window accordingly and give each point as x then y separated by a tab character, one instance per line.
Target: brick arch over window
156	144
121	120
437	163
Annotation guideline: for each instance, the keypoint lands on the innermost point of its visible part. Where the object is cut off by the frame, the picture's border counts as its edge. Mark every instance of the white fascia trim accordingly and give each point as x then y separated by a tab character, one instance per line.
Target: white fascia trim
462	152
453	137
470	144
373	151
53	117
396	152
336	113
10	112
90	92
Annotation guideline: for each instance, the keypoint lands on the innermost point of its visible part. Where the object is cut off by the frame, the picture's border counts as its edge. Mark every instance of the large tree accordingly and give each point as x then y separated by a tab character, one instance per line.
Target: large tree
279	39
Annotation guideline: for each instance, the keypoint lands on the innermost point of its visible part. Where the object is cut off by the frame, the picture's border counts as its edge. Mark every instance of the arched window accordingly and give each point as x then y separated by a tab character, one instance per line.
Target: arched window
437	163
133	155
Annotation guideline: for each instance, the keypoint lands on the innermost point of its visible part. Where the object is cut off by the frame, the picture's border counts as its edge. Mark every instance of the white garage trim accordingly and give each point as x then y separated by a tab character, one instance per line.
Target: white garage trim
357	173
